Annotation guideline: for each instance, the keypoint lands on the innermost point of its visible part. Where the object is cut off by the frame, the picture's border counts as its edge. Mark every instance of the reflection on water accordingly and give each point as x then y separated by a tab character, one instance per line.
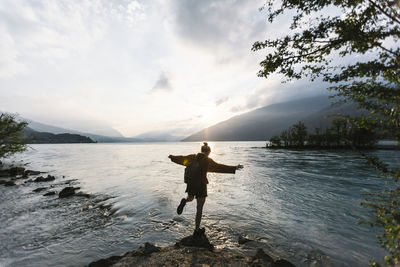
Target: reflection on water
300	205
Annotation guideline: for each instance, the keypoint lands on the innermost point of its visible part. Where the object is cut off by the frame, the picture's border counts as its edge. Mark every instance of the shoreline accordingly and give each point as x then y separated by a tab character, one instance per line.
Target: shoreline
190	251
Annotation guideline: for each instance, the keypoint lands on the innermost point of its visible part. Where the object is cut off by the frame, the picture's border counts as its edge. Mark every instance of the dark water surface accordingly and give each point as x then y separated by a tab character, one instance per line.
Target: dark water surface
299	205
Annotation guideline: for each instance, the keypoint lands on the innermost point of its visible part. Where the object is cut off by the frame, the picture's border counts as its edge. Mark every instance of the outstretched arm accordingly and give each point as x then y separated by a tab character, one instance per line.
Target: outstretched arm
182	160
221	168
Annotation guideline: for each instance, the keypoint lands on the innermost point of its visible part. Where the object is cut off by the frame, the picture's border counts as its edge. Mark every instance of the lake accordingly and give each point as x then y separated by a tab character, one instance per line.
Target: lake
299	205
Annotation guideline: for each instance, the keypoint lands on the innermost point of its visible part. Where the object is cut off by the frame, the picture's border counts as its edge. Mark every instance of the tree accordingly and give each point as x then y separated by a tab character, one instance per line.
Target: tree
320	45
275	141
285	138
11	137
339	126
299	134
315	139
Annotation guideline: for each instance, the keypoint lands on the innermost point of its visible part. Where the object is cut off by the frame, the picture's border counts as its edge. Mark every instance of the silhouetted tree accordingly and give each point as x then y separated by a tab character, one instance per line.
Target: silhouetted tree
285	138
11	137
275	140
299	134
315	139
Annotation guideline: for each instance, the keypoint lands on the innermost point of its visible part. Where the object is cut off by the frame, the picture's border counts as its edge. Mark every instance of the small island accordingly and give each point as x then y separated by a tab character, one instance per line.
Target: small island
338	136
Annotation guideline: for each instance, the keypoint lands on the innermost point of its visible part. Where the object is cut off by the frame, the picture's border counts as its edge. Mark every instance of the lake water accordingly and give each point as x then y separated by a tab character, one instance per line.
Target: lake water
299	205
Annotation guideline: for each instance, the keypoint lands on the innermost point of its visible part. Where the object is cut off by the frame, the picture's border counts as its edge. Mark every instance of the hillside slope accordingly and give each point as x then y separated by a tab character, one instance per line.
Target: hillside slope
262	123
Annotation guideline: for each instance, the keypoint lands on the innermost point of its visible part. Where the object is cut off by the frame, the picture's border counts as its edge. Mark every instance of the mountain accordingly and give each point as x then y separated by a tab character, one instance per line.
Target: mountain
321	120
35	137
262	123
159	136
41	127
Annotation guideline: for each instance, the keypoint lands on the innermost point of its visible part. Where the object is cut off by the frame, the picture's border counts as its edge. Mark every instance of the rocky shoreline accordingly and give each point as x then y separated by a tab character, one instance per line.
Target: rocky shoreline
13	176
190	251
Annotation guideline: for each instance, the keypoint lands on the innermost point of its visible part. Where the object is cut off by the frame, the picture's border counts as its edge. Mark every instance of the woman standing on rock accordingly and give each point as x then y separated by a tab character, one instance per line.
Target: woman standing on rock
196	170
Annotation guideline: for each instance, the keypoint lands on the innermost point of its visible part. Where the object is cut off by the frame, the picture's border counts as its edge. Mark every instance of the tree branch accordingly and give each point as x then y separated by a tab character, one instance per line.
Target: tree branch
383	11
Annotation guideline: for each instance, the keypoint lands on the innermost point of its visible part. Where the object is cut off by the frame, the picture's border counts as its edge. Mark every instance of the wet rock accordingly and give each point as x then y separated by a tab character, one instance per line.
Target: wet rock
105	262
66	192
51	193
31	172
150	248
261	256
199	240
14	171
45	179
243	240
39	189
10	183
283	263
81	194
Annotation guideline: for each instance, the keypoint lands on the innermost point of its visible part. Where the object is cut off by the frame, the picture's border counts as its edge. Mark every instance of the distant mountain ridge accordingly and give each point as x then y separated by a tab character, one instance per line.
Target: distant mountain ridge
34	137
262	123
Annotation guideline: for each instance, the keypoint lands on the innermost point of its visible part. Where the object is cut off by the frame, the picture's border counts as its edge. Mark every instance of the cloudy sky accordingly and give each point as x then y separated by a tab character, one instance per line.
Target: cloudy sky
136	66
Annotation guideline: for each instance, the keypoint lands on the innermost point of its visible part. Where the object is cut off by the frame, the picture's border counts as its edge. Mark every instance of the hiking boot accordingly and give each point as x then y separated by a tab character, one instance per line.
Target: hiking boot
199	232
181	206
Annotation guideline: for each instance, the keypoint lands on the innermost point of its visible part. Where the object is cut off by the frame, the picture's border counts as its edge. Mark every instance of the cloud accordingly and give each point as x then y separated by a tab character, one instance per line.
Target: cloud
280	92
254	100
225	28
46	32
163	83
9	56
221	101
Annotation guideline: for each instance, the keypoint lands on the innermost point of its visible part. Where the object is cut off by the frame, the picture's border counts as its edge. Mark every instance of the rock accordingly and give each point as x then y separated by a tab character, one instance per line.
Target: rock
283	263
43	179
66	192
105	262
200	241
81	194
14	171
10	183
39	189
243	240
4	173
263	258
51	193
150	248
31	172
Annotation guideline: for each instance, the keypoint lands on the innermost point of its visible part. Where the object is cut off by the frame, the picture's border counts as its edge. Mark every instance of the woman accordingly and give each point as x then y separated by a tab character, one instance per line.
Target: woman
197	186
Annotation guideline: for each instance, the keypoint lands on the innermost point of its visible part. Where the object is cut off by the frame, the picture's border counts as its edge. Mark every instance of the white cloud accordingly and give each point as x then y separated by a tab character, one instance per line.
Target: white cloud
9	64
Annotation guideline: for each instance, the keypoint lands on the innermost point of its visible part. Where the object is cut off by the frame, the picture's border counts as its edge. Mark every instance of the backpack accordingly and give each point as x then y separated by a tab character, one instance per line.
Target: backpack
192	171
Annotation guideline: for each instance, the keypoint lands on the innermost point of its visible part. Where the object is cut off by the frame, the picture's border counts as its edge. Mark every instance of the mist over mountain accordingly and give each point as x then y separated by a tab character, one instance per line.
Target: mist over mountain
159	136
42	127
35	137
46	128
262	123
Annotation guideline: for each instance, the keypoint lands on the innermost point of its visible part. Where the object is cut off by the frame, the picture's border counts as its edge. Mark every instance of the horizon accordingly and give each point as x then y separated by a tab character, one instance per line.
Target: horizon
127	66
149	135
